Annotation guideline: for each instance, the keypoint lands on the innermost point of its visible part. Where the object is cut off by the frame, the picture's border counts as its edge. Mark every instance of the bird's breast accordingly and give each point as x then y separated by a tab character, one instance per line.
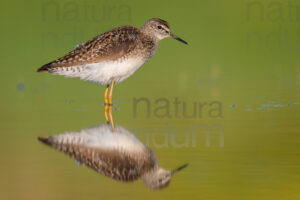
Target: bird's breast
119	70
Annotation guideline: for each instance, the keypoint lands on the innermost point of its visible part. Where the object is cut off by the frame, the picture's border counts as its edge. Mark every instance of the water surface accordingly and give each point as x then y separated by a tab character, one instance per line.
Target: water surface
228	104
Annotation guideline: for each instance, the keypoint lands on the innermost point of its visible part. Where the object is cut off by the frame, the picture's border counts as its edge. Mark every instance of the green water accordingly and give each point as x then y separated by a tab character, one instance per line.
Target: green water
241	70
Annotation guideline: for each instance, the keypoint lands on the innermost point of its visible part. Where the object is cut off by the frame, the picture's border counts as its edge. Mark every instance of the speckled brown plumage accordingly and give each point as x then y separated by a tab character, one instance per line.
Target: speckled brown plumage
114	44
115	164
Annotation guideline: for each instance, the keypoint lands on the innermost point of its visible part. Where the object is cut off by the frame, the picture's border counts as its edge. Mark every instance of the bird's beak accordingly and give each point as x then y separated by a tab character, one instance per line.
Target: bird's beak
179	168
178	38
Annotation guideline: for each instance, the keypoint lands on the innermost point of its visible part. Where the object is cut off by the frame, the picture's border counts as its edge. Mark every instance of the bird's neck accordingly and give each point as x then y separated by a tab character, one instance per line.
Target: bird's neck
149	35
149	173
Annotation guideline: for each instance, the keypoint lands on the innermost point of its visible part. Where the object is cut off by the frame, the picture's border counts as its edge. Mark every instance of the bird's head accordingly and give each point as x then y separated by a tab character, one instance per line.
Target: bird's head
160	178
159	29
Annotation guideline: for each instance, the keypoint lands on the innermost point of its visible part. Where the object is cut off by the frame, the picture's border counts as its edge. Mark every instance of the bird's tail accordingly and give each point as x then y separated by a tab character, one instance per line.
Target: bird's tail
45	140
44	68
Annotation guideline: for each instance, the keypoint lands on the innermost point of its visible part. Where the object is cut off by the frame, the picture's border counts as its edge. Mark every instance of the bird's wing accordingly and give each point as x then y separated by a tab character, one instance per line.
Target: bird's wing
114	163
107	46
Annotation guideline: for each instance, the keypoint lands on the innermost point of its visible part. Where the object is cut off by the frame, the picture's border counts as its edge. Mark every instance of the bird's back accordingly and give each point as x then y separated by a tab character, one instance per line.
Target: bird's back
109	46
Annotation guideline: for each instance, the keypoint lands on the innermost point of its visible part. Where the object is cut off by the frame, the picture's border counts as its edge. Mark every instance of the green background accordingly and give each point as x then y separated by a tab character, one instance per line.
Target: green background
242	54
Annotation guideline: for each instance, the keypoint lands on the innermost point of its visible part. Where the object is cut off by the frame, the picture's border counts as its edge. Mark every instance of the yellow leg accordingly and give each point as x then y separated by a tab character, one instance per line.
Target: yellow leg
106	113
108	116
111	118
106	95
111	91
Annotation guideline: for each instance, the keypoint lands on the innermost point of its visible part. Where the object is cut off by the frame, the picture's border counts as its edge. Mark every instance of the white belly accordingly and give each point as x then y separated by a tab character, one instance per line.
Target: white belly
103	72
103	137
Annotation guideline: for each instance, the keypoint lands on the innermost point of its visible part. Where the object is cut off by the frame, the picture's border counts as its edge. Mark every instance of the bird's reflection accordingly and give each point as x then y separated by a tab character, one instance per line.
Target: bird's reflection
114	152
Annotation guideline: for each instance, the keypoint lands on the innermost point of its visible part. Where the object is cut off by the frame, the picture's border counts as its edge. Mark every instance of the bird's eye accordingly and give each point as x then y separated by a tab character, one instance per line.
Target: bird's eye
159	27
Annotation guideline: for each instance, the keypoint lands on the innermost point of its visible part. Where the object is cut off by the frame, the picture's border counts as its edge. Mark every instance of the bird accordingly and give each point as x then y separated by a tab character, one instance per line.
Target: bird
113	56
115	153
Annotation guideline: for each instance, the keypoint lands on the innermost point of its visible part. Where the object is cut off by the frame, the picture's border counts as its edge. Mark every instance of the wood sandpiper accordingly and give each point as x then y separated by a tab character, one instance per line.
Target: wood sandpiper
112	56
115	153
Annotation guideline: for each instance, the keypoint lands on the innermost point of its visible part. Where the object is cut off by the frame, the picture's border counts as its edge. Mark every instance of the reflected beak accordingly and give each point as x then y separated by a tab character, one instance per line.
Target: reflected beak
178	38
179	168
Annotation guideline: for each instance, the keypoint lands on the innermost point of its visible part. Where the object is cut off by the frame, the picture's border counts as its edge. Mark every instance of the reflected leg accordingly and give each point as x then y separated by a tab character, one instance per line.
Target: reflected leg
111	91
111	118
